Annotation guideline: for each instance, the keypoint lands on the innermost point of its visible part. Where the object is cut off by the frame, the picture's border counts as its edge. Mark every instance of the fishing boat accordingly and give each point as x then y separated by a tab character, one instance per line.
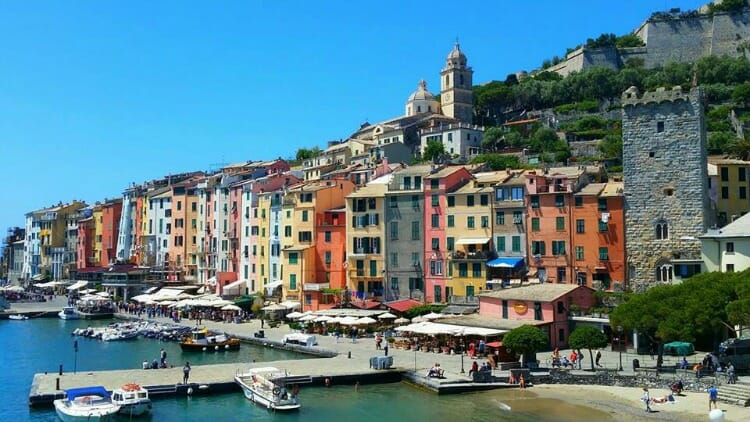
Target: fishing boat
203	340
267	387
132	399
18	317
68	312
86	404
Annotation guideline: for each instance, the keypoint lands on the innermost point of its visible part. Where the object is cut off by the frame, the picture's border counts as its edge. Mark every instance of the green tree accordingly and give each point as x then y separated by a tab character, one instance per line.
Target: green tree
493	139
433	151
525	340
544	140
611	146
588	337
720	142
498	161
740	149
741	94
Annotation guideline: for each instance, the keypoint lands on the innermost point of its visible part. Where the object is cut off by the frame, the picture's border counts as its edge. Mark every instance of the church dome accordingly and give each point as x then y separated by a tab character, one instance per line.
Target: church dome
456	56
421	94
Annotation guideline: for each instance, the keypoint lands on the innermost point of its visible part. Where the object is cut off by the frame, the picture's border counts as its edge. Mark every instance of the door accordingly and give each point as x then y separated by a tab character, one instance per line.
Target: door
438	290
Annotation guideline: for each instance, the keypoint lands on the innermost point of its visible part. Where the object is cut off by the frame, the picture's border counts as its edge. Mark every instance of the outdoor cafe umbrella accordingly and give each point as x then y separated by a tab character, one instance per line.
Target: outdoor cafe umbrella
419	319
231	308
402	320
274	307
308	317
387	315
366	321
348	321
294	315
431	316
323	318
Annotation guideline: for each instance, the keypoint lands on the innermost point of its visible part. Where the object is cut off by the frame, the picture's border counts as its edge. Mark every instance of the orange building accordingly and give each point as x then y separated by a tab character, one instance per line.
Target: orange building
330	245
86	257
111	211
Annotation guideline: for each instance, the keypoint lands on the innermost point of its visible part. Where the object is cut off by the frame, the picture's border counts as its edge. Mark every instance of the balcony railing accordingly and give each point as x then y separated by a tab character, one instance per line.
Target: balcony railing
473	256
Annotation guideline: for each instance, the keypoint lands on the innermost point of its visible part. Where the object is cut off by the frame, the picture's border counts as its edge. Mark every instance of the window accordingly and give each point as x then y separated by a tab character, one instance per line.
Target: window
394	283
393	201
730	247
538	311
560	223
500	242
435	220
394	259
417	182
327	237
500	218
436	267
328	257
293	258
603	227
435	243
602	204
664	272
580	226
304	215
725	192
742	174
394	230
449	243
484	199
659	126
292	281
561	274
662	231
558	247
373	268
485	221
470	222
535	224
559	201
534	201
469	200
604	254
579	253
743	192
517	217
407	182
434	184
724	174
515	243
415	230
579	201
305	236
537	248
415	202
451	221
463	269
476	270
435	200
287	231
451	201
730	268
505	309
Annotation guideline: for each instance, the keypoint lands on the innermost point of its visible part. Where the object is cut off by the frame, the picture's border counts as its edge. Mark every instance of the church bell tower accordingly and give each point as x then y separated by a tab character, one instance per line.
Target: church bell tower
456	96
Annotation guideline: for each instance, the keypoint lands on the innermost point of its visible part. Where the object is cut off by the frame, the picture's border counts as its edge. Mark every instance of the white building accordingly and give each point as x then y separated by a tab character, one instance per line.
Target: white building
727	249
458	139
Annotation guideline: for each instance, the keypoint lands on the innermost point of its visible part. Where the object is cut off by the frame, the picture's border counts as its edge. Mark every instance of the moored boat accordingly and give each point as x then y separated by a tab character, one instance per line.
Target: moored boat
68	312
266	386
202	340
18	317
86	404
133	400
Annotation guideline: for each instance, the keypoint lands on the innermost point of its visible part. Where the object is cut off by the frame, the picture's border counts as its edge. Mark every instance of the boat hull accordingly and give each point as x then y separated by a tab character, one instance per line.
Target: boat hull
136	409
68	315
96	315
262	398
95	413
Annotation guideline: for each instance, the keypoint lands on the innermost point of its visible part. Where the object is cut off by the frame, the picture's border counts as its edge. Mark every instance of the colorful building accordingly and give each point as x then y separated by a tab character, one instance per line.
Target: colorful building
509	228
111	213
732	191
324	290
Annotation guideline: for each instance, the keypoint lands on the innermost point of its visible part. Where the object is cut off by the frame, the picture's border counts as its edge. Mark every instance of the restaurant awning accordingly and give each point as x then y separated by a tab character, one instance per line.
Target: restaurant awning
472	240
235	284
506	262
78	284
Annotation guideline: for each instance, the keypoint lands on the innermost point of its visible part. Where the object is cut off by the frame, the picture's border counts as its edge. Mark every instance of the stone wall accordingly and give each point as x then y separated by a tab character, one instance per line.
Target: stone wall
664	171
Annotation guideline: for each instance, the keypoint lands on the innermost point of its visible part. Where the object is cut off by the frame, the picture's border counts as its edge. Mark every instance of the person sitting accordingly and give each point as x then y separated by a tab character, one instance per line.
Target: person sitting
474	368
684	363
697	369
661	400
556	361
566	363
435	371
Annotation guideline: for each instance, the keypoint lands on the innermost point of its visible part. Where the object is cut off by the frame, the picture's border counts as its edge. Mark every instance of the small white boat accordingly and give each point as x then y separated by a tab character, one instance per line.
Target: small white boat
18	317
86	404
266	387
132	399
68	312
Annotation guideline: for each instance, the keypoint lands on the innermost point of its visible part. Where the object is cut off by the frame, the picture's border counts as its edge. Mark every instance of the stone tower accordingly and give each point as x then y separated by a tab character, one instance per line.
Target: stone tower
665	177
456	96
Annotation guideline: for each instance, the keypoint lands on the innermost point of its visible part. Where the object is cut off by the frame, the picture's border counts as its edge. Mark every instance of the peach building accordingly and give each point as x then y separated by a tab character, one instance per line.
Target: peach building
111	211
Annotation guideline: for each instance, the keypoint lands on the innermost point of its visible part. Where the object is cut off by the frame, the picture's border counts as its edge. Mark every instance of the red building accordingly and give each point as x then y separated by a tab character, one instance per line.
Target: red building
111	211
330	249
86	233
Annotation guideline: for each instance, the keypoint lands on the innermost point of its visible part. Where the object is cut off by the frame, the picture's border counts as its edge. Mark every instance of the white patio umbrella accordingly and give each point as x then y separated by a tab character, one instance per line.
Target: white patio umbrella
366	321
274	307
294	315
308	317
348	321
431	316
402	320
335	320
231	308
322	318
419	319
221	303
387	315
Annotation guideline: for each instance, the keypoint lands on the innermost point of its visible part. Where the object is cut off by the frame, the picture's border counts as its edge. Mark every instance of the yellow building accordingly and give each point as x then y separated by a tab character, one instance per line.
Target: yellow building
732	191
98	220
468	232
302	207
365	236
53	225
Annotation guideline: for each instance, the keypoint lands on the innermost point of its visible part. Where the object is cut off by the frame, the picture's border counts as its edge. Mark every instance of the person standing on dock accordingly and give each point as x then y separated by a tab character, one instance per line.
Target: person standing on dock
163	356
185	372
385	347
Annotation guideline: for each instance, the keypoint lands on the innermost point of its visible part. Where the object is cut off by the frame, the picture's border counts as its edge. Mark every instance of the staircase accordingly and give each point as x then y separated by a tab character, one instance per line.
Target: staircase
737	394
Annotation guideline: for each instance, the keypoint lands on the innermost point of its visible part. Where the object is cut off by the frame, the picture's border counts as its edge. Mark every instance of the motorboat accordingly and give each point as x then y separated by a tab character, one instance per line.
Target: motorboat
203	340
68	312
95	307
132	399
86	404
266	387
18	317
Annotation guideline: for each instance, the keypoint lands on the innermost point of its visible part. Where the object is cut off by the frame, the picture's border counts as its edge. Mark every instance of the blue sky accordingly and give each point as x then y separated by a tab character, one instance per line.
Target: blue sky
95	95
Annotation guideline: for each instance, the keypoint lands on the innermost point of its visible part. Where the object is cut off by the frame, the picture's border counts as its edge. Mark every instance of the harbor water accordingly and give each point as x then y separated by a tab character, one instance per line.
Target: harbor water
40	345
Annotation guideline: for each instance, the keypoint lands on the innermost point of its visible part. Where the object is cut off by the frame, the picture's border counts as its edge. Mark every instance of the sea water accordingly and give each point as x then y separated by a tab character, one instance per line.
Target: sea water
40	345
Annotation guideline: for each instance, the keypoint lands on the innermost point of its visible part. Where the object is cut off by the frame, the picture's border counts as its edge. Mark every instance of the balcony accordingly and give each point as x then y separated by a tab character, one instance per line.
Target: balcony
473	256
315	287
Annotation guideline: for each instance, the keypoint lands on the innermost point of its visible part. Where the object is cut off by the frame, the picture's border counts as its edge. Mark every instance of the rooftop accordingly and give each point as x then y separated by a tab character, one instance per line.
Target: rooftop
535	292
738	228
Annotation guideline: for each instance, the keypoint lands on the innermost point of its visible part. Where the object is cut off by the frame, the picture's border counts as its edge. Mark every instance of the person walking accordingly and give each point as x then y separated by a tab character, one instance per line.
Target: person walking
385	347
598	357
646	399
579	355
713	395
185	372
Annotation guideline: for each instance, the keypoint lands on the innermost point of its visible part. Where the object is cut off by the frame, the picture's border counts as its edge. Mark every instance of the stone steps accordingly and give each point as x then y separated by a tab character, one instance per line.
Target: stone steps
737	394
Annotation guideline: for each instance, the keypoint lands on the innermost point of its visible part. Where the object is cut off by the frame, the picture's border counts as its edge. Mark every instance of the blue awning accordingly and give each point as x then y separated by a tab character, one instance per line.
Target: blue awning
505	262
98	390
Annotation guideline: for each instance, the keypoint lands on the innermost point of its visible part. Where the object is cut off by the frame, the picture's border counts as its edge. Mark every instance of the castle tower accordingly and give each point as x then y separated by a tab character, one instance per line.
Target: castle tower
665	178
456	96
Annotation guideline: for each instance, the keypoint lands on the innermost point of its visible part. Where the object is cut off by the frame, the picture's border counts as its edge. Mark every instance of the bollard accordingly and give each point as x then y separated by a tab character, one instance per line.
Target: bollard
350	354
61	369
57	383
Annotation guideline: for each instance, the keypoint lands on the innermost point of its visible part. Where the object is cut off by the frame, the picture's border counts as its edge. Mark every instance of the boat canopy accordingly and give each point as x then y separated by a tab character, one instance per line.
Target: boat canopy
98	390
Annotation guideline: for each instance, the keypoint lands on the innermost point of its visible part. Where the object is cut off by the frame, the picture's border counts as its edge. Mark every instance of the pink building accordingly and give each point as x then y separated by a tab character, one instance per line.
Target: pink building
545	305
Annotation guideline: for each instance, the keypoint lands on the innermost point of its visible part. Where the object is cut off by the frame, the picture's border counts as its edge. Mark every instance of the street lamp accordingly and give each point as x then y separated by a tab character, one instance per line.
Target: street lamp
619	343
461	336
